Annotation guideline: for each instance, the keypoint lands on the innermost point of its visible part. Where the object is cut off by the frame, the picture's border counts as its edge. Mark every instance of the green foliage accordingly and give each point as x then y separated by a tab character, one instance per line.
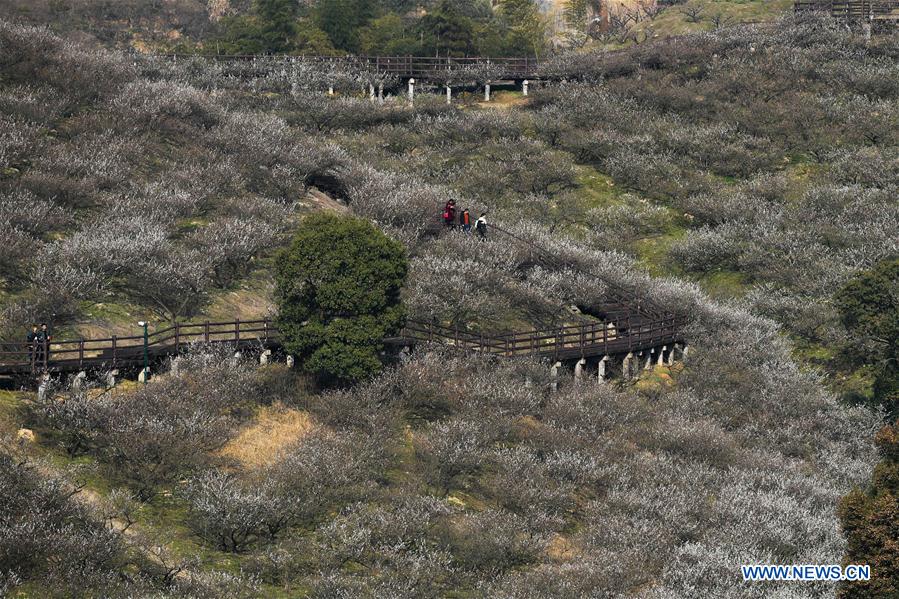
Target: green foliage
389	35
278	19
527	30
341	20
869	304
870	522
339	296
447	32
869	308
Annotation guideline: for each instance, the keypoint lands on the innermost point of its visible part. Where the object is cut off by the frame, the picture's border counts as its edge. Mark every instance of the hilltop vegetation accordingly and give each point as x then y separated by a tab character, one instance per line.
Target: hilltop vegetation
381	27
742	166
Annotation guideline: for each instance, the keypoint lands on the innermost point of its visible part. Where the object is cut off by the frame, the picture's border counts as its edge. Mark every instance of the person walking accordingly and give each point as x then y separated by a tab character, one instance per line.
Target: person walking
31	340
449	214
465	221
481	226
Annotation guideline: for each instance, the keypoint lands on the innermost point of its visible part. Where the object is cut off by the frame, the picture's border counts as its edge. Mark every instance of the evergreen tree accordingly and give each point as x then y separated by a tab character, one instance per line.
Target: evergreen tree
869	306
338	293
342	19
277	25
447	32
526	28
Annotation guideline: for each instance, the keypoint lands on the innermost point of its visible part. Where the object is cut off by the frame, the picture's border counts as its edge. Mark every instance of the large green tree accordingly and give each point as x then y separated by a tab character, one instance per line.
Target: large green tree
338	294
448	32
278	24
869	307
342	20
526	33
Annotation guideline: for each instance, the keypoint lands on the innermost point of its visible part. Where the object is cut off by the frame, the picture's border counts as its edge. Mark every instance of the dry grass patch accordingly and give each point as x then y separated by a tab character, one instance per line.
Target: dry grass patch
266	439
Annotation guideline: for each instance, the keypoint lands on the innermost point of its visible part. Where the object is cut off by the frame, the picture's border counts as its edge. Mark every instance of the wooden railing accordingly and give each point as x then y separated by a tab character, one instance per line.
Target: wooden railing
588	339
403	67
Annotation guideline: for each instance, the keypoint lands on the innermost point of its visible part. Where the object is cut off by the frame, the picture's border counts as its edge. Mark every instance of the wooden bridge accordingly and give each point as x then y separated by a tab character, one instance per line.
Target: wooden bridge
853	10
627	326
422	68
558	343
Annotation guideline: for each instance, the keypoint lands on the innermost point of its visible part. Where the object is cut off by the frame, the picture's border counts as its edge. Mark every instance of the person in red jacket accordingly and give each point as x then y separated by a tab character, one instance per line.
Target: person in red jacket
465	221
449	214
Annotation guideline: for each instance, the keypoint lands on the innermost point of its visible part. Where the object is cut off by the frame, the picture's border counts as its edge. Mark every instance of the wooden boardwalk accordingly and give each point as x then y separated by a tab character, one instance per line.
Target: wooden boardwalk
558	343
626	323
421	68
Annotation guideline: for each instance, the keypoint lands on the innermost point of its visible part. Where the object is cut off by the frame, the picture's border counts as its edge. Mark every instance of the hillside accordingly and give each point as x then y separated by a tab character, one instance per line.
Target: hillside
727	177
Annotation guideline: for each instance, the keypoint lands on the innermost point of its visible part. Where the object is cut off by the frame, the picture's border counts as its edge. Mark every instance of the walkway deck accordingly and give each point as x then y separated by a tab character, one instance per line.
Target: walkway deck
560	343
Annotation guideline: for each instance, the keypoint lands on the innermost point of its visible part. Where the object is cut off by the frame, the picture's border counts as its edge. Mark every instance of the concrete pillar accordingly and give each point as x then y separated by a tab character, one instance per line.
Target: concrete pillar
601	370
265	357
524	87
290	361
554	372
685	352
371	92
144	375
580	368
330	90
43	388
78	381
671	356
487	92
381	93
626	365
661	360
110	378
449	95
648	364
411	91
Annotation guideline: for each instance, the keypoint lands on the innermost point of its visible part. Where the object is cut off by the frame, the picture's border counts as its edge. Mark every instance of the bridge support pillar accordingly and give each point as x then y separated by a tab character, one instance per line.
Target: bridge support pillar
685	351
524	87
661	360
144	375
554	372
449	95
110	378
411	91
290	361
671	356
648	364
627	365
371	93
78	381
580	369
265	357
601	370
43	388
487	92
381	93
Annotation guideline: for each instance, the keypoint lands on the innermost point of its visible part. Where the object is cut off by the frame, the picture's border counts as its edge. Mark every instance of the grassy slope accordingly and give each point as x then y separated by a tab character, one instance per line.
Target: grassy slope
673	21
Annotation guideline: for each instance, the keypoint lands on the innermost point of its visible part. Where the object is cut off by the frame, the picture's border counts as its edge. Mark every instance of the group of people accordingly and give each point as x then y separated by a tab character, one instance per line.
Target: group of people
38	344
464	220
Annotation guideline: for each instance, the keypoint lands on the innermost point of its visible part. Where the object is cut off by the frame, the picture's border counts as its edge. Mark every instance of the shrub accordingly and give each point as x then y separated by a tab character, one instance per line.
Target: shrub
491	541
338	296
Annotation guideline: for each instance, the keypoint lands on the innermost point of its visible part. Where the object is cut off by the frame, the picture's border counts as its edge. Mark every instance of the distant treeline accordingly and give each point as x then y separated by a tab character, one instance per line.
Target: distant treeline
380	27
